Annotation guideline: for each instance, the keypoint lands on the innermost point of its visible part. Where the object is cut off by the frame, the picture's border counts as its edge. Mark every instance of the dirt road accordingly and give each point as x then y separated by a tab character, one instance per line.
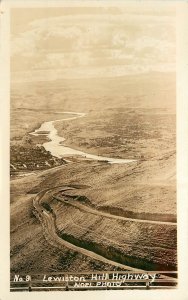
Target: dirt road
108	215
50	233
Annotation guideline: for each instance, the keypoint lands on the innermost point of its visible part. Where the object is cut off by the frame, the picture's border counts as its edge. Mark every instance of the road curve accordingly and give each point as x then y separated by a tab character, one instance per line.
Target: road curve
50	233
108	215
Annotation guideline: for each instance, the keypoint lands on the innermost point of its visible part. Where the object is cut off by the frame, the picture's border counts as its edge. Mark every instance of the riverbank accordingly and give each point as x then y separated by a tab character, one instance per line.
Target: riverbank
55	143
125	134
127	118
30	158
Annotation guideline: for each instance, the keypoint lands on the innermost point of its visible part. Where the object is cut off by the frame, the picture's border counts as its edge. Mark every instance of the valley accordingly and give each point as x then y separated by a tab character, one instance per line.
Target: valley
123	212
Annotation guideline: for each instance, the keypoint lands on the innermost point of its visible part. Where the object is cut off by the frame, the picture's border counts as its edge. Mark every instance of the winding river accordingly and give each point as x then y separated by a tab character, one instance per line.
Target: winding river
55	143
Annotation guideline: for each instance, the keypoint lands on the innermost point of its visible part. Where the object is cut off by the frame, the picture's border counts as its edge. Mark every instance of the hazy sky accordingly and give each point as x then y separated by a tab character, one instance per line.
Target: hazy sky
92	42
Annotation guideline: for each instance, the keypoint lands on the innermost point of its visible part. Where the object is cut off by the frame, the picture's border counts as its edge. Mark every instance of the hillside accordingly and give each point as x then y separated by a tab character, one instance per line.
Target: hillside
123	212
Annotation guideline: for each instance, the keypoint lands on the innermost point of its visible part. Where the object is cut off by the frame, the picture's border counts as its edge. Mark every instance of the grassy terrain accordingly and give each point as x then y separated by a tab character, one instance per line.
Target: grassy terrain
128	118
122	133
30	252
140	245
154	245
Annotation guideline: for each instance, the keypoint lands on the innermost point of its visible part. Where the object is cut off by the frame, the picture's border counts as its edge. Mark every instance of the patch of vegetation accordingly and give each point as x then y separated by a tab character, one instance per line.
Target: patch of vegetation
47	207
23	158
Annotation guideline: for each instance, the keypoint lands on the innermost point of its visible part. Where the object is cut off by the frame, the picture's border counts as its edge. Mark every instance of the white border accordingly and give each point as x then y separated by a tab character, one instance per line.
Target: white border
182	158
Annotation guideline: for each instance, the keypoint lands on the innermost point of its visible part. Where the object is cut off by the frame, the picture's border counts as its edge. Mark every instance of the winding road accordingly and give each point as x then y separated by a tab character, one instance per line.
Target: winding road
51	235
51	232
108	215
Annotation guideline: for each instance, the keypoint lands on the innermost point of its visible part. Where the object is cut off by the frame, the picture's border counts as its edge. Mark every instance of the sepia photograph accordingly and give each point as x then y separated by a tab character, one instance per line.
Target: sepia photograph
93	148
93	153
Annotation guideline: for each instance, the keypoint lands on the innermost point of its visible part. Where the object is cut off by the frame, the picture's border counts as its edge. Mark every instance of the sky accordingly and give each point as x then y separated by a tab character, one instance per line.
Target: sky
92	42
